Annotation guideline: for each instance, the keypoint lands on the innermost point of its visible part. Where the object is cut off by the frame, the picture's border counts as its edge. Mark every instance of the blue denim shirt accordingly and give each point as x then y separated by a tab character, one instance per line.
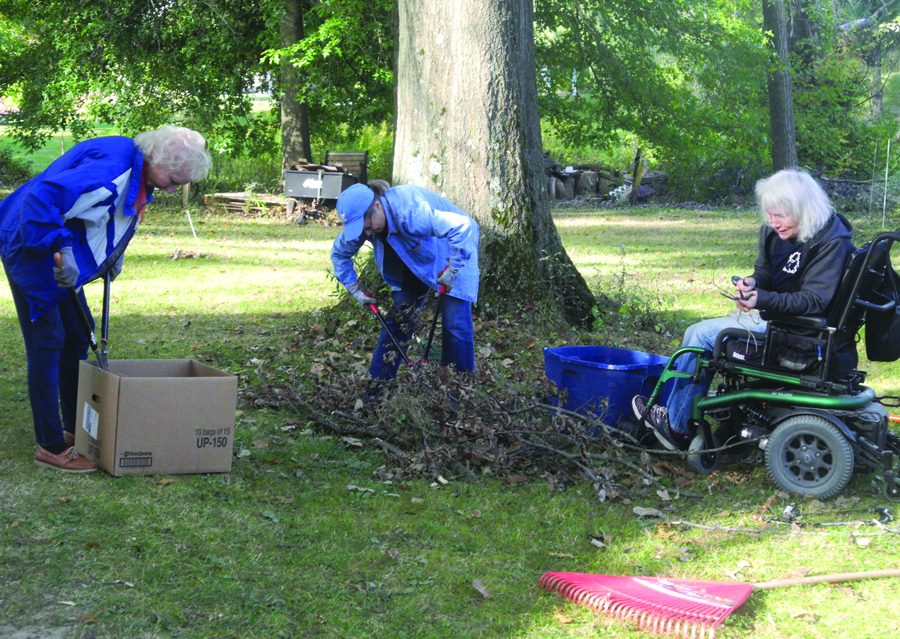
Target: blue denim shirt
428	232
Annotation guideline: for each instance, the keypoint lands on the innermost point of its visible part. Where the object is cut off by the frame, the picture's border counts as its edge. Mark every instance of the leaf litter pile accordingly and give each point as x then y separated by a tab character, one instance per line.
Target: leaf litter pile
435	422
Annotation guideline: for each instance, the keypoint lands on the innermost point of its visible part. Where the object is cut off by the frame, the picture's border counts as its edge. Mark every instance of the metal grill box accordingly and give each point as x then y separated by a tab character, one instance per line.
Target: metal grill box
322	185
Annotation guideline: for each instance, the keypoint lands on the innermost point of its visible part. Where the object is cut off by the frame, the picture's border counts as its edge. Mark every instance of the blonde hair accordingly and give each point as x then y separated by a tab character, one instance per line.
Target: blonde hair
798	195
177	149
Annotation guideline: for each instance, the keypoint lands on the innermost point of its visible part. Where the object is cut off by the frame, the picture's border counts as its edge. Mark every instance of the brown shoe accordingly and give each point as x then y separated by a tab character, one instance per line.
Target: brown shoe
68	462
68	438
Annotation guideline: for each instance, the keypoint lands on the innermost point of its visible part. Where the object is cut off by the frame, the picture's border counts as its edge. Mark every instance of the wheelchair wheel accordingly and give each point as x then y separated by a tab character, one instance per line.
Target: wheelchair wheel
808	455
699	461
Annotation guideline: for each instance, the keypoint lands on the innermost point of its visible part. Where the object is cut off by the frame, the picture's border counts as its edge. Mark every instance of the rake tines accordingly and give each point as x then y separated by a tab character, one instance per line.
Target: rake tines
677	607
683	608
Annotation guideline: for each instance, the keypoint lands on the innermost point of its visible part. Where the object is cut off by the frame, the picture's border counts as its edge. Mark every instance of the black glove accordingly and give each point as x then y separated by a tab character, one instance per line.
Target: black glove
66	274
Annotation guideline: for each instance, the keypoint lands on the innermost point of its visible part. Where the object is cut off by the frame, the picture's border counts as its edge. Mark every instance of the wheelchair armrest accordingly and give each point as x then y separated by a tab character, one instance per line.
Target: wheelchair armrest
723	335
803	321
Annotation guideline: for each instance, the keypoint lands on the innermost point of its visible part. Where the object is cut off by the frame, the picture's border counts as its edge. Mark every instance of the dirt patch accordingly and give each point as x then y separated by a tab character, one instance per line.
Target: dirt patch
37	632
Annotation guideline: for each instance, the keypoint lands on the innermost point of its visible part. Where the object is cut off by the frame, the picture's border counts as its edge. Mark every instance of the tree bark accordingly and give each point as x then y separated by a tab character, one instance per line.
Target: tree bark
803	32
468	127
781	97
876	90
295	142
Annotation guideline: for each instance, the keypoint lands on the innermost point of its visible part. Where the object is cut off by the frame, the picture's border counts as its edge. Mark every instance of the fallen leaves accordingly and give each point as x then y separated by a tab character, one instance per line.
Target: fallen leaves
862	542
360	489
474	424
479	586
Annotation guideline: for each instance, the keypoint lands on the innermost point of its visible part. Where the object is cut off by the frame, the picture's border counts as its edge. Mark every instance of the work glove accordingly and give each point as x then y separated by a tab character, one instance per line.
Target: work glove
360	295
66	274
448	278
116	268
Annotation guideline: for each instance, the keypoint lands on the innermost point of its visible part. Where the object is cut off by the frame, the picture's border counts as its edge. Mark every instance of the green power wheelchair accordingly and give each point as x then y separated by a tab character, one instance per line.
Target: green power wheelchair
785	400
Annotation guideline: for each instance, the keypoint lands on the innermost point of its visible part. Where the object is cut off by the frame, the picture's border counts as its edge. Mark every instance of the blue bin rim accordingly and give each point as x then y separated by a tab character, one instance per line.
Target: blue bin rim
650	359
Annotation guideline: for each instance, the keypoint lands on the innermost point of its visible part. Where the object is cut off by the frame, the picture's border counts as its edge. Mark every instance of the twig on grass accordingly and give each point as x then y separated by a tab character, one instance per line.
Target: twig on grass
463	470
572	458
750	531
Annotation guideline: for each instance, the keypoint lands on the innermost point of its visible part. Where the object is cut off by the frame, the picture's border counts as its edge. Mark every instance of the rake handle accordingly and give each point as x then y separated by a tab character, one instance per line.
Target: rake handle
434	320
390	334
83	318
828	579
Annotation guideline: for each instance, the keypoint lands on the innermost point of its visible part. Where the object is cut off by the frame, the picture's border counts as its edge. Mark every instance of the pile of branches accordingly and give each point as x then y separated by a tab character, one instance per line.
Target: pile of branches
434	422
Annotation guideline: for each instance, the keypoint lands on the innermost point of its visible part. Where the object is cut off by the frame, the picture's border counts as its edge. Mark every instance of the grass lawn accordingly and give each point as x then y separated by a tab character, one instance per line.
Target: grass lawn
53	148
282	546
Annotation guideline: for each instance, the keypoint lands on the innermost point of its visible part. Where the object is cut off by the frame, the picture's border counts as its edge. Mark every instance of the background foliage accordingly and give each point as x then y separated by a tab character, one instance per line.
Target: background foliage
685	81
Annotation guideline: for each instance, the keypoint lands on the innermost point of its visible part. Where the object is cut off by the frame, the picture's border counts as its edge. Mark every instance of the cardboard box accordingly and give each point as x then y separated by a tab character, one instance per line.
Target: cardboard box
148	417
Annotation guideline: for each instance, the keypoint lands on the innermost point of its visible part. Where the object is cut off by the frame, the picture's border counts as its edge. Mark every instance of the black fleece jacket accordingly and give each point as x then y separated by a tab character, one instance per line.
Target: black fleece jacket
819	273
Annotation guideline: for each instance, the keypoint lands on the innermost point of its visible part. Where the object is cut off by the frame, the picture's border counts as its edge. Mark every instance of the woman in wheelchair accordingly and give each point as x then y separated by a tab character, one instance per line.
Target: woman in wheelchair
803	249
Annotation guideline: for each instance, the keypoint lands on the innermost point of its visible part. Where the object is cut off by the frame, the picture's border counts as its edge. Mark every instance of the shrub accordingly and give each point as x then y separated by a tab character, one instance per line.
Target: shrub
13	172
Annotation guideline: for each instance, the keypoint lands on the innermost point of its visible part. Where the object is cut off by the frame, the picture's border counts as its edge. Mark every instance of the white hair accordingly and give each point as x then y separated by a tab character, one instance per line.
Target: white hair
797	195
177	149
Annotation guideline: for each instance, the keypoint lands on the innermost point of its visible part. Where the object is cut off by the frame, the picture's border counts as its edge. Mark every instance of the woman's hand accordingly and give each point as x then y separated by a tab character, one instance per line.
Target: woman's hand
745	285
747	301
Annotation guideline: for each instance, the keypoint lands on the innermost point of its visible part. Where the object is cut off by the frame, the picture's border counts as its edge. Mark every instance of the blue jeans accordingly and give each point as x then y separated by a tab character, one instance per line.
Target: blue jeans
702	334
457	334
54	346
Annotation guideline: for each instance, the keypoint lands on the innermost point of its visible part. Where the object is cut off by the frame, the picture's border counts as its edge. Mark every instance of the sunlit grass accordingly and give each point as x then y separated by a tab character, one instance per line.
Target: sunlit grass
281	547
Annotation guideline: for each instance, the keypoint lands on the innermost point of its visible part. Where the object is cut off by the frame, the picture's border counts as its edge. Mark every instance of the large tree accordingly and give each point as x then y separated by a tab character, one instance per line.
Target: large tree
295	139
781	96
138	64
468	126
135	64
685	77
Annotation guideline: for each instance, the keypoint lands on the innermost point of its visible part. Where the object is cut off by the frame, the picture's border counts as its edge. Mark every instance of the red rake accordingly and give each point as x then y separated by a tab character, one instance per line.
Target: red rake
687	608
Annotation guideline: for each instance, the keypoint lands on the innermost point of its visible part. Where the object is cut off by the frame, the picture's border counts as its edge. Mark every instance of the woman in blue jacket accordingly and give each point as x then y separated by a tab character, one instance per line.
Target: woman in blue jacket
85	207
421	241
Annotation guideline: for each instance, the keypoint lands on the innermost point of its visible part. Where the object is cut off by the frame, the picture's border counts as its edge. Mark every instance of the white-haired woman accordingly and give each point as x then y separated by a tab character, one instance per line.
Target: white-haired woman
85	207
803	249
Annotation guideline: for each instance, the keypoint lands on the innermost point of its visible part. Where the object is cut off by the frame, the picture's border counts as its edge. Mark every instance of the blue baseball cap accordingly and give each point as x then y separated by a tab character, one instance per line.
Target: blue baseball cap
351	207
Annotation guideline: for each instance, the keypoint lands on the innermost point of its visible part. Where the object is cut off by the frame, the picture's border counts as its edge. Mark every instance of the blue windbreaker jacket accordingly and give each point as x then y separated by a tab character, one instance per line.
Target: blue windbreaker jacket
428	232
85	200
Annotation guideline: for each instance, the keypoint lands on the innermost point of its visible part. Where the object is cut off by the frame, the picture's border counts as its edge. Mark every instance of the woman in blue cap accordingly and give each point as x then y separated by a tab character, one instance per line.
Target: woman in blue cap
421	241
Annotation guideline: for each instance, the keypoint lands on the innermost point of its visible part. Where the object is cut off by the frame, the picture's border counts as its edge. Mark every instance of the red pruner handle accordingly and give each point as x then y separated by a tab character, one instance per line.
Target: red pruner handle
373	308
443	289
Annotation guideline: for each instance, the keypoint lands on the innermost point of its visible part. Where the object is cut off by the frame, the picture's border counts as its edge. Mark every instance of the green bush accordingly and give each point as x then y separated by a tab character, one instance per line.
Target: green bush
378	140
619	155
13	172
260	174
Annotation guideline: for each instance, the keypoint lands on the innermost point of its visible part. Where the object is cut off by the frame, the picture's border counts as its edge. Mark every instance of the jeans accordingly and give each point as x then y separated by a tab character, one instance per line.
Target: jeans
702	334
457	334
54	346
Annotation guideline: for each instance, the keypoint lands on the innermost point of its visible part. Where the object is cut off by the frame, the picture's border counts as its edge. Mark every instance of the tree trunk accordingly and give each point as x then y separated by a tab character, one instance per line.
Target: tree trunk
876	91
781	97
803	37
294	112
468	127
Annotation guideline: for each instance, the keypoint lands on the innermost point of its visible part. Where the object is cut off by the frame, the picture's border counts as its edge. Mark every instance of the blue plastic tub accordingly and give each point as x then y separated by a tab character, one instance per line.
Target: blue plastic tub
602	379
